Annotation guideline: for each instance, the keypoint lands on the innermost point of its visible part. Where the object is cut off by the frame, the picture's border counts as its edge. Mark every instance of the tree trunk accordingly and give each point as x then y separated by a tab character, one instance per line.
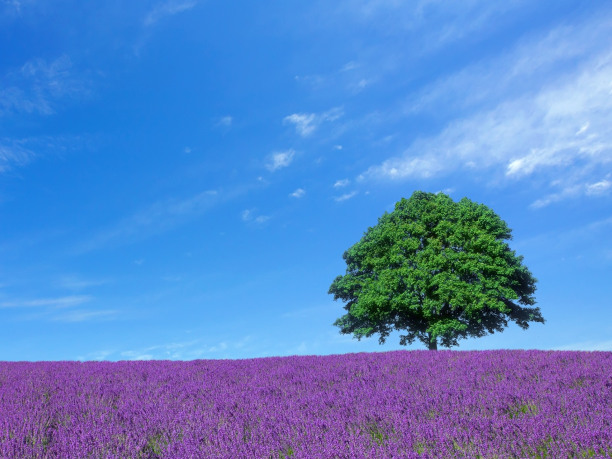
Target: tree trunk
433	344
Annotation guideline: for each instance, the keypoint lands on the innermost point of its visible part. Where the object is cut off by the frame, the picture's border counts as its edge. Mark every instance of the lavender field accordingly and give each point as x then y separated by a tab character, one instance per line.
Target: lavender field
378	405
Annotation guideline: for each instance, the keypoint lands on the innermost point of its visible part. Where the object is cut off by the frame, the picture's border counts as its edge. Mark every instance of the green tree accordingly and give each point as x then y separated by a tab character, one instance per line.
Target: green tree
438	269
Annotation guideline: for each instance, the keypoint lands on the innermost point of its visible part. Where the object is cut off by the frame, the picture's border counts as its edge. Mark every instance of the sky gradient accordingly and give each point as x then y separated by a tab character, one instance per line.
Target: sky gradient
179	179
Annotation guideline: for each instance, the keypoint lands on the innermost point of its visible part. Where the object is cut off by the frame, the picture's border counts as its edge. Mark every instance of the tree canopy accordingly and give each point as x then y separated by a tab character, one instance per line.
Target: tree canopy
437	269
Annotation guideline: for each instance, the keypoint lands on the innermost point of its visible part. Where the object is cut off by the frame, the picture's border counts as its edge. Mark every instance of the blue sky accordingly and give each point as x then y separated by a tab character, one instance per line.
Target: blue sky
179	179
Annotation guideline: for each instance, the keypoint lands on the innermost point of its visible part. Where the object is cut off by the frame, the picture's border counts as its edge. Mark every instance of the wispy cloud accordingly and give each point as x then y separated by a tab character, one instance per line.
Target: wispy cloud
528	66
19	152
158	217
586	346
58	309
345	196
13	153
225	121
135	355
599	188
341	183
167	8
14	7
12	4
298	193
182	350
306	123
73	282
455	21
280	159
249	215
96	356
38	85
60	302
84	315
246	215
588	242
560	129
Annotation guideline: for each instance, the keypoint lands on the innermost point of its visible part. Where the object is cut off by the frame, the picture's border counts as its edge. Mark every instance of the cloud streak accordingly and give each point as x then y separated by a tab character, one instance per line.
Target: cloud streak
84	316
306	123
280	160
168	8
13	153
300	192
58	309
38	85
560	131
60	302
158	217
341	183
345	196
248	215
586	346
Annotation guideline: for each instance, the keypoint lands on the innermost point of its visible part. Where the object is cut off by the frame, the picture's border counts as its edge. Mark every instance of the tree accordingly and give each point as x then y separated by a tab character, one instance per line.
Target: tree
438	269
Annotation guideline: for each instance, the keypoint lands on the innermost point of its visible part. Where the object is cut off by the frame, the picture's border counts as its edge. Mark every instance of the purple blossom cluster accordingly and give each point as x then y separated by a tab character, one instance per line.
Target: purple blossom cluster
371	405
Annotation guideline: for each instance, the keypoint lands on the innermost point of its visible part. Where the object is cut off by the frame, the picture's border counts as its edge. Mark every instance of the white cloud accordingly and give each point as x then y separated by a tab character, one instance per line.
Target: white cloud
522	69
360	85
225	121
19	152
249	215
298	193
598	188
586	346
280	159
135	355
185	350
82	316
13	153
14	7
582	129
60	309
60	302
341	183
168	8
572	190
97	355
401	168
430	24
72	282
566	241
315	81
556	126
158	217
345	197
352	65
333	114
306	123
38	85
